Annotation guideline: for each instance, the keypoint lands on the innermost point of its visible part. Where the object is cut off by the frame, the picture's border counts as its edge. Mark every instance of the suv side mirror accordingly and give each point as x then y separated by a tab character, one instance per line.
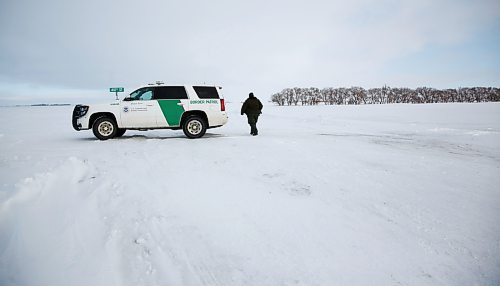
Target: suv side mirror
127	99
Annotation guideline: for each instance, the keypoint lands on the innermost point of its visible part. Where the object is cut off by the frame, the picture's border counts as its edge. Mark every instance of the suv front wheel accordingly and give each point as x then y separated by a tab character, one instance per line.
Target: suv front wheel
105	128
194	127
120	132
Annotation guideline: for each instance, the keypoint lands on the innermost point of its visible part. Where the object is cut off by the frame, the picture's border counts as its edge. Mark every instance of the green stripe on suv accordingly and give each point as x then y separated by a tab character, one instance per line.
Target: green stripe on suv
172	111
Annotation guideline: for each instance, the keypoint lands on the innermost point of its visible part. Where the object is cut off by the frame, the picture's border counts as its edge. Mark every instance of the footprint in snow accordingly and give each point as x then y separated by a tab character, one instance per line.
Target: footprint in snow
299	189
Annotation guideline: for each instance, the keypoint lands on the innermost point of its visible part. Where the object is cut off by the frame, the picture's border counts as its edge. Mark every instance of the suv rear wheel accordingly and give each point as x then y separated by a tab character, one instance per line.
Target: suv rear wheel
105	128
194	127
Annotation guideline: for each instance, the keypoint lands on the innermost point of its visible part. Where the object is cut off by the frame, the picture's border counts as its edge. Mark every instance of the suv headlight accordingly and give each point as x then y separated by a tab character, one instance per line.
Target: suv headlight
80	110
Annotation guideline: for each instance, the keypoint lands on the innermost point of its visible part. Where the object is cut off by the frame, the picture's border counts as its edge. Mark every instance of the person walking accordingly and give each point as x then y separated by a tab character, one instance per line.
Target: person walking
252	107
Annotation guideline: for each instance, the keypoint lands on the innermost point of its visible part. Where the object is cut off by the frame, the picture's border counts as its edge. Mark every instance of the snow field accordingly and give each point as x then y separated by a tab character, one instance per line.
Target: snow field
342	195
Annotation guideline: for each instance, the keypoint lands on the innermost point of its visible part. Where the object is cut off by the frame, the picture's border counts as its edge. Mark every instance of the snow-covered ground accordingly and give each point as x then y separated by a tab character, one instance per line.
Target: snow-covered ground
325	195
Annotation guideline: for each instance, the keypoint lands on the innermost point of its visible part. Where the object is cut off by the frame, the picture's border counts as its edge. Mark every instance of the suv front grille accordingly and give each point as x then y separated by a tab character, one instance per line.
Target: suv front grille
78	111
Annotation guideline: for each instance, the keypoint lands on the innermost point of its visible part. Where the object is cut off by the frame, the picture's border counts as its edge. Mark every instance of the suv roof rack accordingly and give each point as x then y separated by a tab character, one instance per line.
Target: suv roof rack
156	83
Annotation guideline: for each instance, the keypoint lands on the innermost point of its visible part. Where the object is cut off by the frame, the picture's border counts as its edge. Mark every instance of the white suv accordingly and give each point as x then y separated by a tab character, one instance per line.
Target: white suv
192	108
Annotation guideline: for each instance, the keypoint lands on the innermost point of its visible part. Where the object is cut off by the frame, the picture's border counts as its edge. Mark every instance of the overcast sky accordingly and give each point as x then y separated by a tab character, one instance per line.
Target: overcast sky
61	50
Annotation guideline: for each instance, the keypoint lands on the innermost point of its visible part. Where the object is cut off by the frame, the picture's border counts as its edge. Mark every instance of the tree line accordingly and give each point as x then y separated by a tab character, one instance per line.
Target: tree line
383	95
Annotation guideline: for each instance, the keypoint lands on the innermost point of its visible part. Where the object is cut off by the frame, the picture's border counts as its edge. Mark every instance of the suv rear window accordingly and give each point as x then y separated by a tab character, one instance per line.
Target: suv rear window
206	92
170	92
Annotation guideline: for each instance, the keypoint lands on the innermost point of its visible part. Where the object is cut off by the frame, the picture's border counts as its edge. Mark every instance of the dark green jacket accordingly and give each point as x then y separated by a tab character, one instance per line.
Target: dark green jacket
251	106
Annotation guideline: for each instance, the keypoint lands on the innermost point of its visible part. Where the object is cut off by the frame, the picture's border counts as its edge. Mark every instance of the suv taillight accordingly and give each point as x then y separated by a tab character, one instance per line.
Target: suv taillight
222	105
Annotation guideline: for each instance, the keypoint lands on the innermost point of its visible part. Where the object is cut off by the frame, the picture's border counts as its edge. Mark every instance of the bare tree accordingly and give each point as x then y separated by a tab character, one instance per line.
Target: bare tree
385	94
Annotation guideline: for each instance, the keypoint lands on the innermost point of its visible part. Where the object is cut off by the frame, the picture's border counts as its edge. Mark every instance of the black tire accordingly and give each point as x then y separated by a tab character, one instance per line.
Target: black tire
105	128
120	132
194	127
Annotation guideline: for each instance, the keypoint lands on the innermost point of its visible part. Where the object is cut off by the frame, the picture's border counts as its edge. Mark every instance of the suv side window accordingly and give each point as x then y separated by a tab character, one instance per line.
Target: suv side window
142	94
170	92
206	92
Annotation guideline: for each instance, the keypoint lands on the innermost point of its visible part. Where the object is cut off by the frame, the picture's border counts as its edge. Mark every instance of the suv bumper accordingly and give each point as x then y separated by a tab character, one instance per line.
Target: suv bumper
76	126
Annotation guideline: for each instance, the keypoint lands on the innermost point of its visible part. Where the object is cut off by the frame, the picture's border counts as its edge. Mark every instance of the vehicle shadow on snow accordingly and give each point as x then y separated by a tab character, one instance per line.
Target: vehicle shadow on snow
148	137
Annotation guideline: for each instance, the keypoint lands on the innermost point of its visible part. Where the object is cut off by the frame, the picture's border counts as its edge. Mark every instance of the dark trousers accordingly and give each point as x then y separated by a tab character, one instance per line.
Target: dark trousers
252	120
